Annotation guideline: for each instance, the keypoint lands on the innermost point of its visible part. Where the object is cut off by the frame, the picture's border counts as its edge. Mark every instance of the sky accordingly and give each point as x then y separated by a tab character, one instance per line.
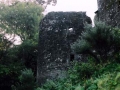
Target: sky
90	6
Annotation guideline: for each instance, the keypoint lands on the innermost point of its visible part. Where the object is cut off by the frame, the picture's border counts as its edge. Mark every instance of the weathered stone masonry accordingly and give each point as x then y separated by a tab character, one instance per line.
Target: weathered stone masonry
109	12
58	30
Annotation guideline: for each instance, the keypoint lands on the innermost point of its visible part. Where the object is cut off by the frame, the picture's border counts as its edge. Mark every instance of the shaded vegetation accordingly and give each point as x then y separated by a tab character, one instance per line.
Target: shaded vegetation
18	19
102	70
21	19
100	44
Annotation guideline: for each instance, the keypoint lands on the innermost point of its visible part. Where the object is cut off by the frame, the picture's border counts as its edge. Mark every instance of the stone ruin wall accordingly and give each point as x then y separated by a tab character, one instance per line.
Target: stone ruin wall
55	37
109	12
58	30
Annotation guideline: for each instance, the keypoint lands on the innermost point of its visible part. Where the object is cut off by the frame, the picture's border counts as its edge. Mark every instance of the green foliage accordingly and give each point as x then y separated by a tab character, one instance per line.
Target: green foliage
90	84
109	81
77	75
27	53
101	42
79	88
107	68
50	85
21	19
9	65
9	74
39	89
82	71
27	81
58	85
4	45
102	77
16	59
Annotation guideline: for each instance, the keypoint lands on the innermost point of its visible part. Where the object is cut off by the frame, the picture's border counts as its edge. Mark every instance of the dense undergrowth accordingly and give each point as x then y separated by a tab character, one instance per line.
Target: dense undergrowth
95	74
100	45
102	70
87	76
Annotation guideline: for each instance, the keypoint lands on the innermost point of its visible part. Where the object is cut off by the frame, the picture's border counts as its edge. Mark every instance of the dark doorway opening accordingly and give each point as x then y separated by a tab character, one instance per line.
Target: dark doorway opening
72	57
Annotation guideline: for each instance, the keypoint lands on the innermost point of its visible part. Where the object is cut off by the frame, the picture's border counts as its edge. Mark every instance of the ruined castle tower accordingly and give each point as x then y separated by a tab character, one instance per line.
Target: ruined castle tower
109	12
58	30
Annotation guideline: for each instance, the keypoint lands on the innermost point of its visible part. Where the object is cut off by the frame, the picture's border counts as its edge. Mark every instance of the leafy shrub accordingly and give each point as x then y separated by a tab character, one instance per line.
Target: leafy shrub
90	84
9	75
107	68
79	88
82	71
103	77
64	84
27	53
39	88
101	42
27	81
107	78
76	77
109	81
10	68
50	85
16	59
22	18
